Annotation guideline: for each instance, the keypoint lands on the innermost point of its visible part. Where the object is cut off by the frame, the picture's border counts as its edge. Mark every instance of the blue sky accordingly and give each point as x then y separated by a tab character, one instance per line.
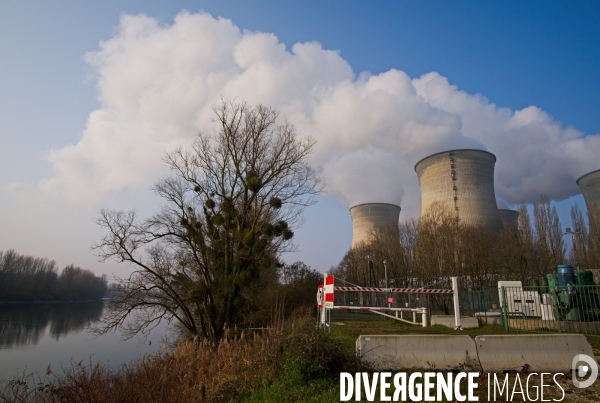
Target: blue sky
514	54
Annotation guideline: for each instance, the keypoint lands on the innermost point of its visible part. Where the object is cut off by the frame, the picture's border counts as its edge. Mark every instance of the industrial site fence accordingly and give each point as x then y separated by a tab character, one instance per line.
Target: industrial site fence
569	309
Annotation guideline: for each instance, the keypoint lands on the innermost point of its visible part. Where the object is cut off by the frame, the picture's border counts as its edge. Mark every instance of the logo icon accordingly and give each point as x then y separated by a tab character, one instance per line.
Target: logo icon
582	370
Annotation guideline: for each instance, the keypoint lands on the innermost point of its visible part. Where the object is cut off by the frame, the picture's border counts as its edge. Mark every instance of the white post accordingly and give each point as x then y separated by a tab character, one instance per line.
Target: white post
323	310
456	305
414	316
424	317
387	293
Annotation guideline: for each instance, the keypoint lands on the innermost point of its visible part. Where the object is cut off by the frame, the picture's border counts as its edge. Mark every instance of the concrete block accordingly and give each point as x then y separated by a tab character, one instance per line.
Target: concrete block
532	352
395	352
466	322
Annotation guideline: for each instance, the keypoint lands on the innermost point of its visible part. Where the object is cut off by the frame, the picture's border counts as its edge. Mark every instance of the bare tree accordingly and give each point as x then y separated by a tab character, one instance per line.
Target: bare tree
578	255
584	253
230	211
594	232
478	250
549	236
438	245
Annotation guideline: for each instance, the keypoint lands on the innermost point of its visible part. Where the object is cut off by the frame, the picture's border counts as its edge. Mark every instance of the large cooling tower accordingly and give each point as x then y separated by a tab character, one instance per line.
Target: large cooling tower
590	187
509	218
461	181
367	217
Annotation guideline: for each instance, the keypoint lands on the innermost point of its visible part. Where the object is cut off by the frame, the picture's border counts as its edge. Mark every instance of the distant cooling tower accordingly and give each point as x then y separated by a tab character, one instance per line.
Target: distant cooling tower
590	187
509	218
367	217
461	181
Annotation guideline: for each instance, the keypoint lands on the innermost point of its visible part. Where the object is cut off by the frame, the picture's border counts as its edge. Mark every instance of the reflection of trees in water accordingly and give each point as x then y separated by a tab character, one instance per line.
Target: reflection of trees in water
22	324
25	324
67	318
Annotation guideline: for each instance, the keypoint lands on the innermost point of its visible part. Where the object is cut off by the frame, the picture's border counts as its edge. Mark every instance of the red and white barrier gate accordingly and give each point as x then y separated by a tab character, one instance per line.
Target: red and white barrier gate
325	299
397	290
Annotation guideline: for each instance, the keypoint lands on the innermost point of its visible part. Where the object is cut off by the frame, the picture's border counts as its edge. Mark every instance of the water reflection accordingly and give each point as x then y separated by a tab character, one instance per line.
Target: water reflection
26	324
32	336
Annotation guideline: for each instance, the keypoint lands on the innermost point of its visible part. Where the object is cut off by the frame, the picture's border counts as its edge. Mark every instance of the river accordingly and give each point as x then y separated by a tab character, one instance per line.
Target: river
33	336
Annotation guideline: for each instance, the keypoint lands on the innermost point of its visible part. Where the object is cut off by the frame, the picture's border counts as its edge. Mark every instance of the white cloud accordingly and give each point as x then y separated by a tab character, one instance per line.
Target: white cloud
535	154
157	85
351	177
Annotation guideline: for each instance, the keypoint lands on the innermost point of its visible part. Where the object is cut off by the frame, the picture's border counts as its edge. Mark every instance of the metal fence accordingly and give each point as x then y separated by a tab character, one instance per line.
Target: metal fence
570	309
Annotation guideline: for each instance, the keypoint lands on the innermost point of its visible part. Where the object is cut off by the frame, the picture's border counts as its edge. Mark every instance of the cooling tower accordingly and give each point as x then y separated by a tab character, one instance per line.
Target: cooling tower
367	217
461	181
590	187
509	218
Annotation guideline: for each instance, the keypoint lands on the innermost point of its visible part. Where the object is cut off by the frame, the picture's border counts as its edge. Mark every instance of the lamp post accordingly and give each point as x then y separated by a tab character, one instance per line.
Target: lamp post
387	293
573	233
372	282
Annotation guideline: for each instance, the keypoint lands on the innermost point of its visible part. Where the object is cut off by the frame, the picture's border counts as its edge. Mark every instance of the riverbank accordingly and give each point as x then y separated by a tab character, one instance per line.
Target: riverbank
298	364
292	365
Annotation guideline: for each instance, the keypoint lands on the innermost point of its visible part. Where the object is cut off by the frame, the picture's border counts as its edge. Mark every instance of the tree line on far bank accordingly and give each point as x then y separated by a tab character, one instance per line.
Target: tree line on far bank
29	278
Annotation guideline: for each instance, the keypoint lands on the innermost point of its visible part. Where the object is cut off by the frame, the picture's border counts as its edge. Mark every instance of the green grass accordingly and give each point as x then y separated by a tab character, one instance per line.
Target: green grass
290	388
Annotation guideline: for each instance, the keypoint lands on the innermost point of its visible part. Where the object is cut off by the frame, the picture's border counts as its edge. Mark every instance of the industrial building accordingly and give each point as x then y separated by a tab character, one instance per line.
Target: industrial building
461	181
366	218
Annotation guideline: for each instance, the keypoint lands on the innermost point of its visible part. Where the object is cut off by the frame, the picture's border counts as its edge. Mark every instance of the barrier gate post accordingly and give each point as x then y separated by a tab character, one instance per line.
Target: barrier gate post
456	303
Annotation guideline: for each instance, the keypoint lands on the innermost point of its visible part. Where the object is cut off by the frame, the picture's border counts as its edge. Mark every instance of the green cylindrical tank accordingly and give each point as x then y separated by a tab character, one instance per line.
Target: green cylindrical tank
552	281
585	277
